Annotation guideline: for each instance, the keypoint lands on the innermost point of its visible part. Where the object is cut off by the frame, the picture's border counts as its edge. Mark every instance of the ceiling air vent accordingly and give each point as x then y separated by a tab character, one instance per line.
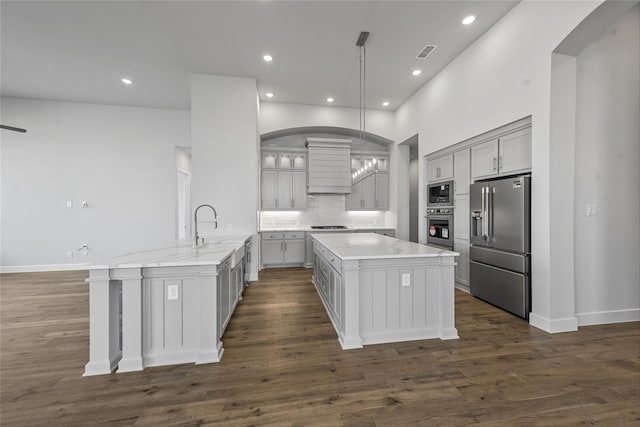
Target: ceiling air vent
426	51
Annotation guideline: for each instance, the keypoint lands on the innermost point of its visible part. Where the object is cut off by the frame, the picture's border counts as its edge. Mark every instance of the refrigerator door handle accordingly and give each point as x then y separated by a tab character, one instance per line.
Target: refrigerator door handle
486	214
490	193
482	215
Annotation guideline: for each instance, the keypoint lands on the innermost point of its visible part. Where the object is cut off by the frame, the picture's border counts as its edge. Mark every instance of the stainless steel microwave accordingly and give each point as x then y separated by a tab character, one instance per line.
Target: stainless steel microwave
440	194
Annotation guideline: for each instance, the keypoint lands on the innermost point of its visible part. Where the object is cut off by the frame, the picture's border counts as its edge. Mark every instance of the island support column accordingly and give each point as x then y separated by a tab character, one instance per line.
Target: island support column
210	349
447	304
131	319
350	288
104	323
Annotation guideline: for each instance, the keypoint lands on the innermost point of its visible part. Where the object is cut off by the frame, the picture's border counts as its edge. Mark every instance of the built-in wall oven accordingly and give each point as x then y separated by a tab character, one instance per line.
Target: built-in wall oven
440	194
440	227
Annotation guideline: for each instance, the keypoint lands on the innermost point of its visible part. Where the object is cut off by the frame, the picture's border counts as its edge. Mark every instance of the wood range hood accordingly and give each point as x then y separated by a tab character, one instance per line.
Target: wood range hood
329	165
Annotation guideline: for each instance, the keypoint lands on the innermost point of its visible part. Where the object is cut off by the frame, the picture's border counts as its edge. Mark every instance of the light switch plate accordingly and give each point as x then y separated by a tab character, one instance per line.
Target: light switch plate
592	209
172	292
69	203
406	279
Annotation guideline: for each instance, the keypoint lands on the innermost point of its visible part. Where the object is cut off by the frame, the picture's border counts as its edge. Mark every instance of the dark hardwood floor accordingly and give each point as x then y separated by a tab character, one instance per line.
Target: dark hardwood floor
283	366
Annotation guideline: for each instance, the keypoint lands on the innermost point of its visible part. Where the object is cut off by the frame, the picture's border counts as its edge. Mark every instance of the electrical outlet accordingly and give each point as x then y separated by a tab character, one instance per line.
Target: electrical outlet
69	203
85	253
229	227
172	292
406	279
592	209
70	254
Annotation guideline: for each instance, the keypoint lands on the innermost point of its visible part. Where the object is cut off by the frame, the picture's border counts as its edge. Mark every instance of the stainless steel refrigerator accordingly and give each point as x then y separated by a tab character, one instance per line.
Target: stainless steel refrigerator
500	254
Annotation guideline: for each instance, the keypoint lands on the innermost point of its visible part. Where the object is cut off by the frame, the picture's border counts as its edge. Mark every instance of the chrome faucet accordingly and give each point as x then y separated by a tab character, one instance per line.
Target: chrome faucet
195	220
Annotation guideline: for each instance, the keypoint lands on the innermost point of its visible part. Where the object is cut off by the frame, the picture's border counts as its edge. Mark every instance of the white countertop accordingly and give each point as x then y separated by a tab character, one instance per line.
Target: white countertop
308	228
180	253
375	246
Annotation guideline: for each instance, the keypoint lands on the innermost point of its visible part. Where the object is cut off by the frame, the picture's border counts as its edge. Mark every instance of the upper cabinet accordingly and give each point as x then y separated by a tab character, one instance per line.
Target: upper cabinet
371	193
505	155
440	168
461	178
283	180
282	160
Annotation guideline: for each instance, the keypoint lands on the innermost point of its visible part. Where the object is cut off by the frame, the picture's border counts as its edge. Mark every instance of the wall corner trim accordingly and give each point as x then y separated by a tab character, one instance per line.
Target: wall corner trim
553	326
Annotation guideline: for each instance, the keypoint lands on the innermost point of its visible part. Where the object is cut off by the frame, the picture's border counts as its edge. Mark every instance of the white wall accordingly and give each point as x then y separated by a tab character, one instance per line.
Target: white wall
504	76
607	155
120	160
224	151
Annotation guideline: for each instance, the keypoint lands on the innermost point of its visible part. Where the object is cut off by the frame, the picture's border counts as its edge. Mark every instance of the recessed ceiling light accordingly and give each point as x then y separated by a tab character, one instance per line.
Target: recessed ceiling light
469	20
330	99
126	81
385	103
268	58
269	95
416	72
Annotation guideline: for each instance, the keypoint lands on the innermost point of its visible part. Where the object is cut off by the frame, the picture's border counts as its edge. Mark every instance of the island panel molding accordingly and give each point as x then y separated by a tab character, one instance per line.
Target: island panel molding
176	303
393	291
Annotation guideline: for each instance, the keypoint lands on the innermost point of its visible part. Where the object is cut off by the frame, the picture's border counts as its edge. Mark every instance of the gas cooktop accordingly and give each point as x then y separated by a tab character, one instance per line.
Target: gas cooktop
328	227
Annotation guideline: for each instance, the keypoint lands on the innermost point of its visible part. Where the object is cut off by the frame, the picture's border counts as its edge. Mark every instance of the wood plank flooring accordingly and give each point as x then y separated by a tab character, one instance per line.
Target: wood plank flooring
283	366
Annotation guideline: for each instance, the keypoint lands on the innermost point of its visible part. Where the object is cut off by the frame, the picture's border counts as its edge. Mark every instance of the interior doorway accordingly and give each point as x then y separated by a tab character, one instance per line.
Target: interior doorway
414	189
183	196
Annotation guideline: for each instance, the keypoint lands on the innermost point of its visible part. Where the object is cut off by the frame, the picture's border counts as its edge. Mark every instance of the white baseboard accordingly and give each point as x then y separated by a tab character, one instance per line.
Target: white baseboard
41	268
611	316
553	326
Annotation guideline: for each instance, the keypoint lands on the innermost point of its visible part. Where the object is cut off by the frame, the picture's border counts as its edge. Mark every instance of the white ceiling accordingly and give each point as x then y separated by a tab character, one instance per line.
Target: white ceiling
78	51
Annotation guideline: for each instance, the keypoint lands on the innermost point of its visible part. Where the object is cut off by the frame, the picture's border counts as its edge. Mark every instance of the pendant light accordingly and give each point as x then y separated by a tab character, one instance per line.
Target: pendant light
367	168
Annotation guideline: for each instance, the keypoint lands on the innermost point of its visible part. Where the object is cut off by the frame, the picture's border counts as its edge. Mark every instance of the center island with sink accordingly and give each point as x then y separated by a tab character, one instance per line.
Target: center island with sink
378	289
166	305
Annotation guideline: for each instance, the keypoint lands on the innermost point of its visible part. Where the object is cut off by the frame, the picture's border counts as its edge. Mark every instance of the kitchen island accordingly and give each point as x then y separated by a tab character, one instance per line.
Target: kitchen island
378	289
164	306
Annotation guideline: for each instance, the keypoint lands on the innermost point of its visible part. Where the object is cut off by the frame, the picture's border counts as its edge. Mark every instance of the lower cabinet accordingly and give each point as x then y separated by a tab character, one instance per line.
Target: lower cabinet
283	249
327	276
308	258
462	263
224	293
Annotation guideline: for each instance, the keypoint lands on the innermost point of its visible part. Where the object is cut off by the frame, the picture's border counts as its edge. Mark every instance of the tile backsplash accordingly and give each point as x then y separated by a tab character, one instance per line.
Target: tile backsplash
324	209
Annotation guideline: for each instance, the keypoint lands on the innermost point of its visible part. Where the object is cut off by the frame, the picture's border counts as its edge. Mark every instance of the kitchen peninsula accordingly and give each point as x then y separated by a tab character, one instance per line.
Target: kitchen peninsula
378	289
164	306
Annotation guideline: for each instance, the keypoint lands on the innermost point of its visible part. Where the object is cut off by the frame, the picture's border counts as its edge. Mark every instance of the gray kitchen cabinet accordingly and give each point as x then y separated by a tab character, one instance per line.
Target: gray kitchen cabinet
271	252
382	191
440	168
354	199
462	264
308	250
269	190
461	217
283	248
292	161
515	151
484	159
284	189
372	193
269	160
223	296
294	251
461	171
505	155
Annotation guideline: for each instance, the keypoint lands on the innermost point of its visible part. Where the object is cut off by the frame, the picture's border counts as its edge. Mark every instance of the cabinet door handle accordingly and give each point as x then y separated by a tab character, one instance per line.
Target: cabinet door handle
276	202
500	163
285	246
438	171
494	163
293	203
